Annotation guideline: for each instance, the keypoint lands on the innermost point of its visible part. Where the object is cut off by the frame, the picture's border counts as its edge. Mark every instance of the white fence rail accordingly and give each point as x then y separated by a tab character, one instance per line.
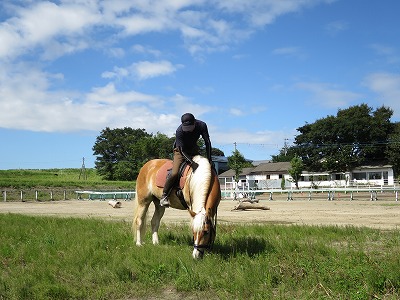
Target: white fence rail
53	195
373	193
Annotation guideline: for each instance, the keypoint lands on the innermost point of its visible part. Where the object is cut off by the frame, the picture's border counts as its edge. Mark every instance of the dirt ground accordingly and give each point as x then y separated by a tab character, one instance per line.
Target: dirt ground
382	214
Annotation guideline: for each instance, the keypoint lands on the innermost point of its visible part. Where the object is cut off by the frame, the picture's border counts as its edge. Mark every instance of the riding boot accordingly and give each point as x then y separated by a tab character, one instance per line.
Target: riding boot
169	185
164	201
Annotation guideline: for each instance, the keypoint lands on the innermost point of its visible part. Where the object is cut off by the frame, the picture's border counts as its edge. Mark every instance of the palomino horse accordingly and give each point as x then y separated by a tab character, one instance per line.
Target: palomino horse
201	193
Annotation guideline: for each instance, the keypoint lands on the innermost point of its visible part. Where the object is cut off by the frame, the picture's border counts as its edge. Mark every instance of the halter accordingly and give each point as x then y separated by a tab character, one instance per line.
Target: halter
212	230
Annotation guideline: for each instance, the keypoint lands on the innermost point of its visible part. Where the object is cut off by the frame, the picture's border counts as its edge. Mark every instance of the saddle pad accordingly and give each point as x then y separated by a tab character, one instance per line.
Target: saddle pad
161	176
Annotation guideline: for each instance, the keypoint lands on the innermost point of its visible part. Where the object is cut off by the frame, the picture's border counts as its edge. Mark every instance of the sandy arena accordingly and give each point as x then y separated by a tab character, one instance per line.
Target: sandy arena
382	214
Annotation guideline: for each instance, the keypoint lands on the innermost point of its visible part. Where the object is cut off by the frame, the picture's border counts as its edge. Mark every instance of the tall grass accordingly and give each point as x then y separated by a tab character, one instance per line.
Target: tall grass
71	258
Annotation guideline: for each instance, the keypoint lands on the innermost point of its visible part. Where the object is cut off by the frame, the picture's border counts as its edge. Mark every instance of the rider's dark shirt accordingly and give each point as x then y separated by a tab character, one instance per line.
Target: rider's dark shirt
187	140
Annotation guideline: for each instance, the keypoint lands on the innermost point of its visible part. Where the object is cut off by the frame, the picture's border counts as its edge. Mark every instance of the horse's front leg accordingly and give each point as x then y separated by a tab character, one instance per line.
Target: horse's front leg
156	220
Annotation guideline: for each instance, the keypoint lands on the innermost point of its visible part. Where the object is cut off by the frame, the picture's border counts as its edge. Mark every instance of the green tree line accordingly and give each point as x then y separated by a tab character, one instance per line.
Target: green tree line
354	136
121	152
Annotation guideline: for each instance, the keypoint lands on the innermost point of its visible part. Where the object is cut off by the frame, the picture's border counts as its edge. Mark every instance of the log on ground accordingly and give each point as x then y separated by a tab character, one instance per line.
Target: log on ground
247	206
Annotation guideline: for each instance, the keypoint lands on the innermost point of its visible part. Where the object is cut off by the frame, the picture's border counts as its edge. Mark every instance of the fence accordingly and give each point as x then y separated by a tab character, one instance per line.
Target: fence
37	195
373	194
104	195
54	195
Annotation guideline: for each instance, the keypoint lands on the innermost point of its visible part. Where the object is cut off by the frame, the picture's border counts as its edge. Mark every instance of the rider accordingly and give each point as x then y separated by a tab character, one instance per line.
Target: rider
185	147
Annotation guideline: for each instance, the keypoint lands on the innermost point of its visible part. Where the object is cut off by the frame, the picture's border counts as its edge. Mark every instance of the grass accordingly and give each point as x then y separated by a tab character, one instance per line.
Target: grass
72	258
51	178
54	184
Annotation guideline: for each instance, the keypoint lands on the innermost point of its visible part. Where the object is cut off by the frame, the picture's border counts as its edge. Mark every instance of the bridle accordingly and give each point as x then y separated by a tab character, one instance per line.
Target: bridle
211	230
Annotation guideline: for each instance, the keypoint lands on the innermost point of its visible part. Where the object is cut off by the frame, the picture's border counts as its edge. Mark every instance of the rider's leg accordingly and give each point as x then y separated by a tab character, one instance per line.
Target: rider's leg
172	180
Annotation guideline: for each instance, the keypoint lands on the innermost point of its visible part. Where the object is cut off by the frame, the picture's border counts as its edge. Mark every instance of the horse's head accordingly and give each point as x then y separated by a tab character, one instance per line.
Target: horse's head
203	234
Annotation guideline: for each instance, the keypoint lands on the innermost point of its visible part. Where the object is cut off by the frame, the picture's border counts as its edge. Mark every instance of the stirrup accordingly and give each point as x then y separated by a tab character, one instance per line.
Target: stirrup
164	201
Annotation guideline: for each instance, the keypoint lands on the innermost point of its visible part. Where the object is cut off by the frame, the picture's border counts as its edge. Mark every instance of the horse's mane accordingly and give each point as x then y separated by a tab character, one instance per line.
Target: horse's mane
200	184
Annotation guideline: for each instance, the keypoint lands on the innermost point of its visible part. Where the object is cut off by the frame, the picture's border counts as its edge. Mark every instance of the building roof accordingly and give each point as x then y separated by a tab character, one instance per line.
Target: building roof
272	168
258	162
231	172
264	168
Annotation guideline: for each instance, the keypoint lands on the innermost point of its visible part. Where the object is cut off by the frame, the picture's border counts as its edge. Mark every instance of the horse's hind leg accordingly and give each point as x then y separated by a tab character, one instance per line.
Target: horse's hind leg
155	221
139	220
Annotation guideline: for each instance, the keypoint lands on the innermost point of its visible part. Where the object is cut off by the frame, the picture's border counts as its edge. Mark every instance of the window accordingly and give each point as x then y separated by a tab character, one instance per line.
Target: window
375	175
360	176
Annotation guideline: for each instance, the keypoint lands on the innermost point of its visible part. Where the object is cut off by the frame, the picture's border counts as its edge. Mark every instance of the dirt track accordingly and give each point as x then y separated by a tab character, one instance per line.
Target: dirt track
383	214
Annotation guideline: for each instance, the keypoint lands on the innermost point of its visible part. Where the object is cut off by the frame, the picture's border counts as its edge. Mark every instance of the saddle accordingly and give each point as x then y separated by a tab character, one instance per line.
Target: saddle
165	171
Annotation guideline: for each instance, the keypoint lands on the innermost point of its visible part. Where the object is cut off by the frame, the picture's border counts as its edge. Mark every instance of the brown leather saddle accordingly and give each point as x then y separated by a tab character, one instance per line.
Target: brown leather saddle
164	172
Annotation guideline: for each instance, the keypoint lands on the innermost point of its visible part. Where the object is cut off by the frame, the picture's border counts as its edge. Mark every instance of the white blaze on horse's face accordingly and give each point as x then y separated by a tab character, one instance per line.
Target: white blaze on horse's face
202	237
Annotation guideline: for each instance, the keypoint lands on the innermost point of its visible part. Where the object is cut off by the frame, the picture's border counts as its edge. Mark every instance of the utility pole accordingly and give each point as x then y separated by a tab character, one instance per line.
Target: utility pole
83	170
285	146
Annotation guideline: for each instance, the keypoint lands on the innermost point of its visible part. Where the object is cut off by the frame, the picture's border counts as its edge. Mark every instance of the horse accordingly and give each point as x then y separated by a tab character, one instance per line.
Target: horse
201	196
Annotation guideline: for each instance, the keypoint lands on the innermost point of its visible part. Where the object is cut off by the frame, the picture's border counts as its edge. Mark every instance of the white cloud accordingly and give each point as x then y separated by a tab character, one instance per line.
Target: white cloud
236	112
35	98
335	27
110	96
28	104
296	52
184	104
328	96
66	27
387	87
143	70
42	24
391	54
146	50
263	12
146	69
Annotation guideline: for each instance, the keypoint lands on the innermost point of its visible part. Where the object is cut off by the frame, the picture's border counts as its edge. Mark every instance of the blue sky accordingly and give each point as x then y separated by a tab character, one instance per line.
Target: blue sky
253	70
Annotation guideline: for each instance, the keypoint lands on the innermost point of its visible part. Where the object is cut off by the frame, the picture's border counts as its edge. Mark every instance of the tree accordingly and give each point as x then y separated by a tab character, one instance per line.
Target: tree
285	154
214	151
217	152
354	136
296	168
237	162
393	149
113	148
121	152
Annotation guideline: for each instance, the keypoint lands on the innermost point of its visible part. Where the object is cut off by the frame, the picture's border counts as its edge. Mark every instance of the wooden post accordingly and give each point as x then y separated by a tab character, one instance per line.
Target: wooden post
65	195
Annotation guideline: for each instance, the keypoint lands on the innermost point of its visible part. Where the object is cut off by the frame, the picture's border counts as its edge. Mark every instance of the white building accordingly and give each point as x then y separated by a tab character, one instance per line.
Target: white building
276	176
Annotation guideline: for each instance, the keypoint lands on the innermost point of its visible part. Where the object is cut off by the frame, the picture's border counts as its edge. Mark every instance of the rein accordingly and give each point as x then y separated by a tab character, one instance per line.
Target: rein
213	232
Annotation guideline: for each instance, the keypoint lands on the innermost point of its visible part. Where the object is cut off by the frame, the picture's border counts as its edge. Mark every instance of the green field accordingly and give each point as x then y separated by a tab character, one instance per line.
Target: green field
74	258
65	178
71	258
